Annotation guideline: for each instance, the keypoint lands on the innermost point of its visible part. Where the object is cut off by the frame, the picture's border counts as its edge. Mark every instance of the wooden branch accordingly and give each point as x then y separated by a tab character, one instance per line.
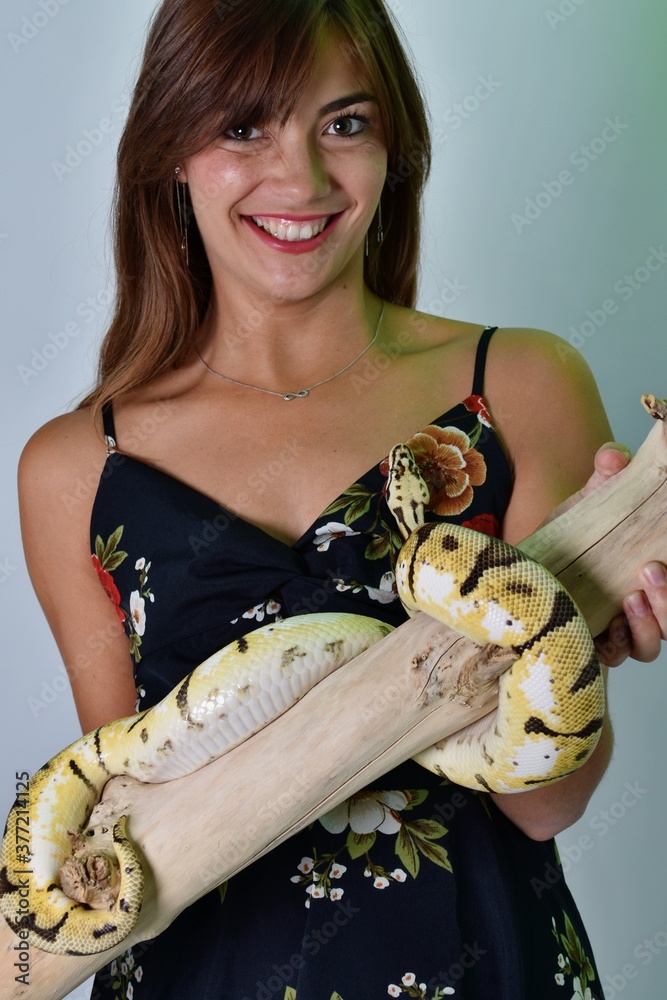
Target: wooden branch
419	684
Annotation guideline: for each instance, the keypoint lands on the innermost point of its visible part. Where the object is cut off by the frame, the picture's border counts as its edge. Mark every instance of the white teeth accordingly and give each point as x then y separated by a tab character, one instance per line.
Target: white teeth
284	229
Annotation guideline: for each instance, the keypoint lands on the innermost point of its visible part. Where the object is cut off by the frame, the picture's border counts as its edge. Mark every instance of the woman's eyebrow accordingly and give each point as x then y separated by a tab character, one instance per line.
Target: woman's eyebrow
344	102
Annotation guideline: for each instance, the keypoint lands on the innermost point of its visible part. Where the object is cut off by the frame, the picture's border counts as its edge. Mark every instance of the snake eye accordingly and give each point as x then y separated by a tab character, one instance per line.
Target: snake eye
90	833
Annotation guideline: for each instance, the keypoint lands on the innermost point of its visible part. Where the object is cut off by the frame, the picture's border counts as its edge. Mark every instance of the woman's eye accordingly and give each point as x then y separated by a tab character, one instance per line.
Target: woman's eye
243	133
348	126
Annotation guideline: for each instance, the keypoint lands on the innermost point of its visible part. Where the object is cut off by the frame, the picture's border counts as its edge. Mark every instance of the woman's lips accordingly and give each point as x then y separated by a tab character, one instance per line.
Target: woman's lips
292	234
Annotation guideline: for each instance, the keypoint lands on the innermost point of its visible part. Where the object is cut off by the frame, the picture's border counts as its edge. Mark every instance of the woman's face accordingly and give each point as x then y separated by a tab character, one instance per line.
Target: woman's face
283	209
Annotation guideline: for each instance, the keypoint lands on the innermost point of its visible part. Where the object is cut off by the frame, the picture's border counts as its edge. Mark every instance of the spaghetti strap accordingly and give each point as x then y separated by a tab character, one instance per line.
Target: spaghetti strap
109	428
480	360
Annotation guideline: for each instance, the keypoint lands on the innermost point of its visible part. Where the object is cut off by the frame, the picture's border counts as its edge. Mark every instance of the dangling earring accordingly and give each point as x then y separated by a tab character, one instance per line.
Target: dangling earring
182	216
380	229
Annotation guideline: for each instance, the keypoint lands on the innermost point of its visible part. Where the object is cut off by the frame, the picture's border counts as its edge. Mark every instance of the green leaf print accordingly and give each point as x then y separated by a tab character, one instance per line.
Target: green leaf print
435	853
406	849
357	509
113	561
359	843
355	492
578	958
417	796
428	828
378	547
112	544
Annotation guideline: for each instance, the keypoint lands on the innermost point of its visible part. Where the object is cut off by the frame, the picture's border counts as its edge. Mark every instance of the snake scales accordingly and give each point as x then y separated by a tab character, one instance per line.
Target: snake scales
551	703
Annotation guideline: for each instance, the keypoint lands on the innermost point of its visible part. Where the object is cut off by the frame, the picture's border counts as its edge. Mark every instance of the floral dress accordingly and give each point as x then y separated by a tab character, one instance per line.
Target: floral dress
414	887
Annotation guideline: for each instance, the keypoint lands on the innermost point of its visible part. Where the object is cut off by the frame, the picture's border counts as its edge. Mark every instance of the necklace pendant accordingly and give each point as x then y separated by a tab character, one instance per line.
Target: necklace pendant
301	394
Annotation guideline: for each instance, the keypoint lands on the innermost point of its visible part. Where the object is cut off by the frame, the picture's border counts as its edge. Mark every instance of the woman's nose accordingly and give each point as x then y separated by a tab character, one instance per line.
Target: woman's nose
302	173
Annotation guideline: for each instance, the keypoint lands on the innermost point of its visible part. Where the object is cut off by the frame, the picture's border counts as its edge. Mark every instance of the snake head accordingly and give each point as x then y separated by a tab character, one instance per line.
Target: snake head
407	493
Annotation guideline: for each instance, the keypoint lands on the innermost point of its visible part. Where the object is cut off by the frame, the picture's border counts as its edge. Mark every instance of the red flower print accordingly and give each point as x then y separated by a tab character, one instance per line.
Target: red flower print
477	405
486	523
449	466
106	580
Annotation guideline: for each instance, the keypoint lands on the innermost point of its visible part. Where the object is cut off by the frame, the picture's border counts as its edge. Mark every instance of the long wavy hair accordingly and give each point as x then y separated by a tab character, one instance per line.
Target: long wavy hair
206	67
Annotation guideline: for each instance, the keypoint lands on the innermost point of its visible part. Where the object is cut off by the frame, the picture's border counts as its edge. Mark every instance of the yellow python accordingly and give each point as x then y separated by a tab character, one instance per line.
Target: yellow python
547	723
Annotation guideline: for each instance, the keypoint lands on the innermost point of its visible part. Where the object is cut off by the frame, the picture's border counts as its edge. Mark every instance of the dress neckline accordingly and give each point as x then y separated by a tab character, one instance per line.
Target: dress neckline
250	525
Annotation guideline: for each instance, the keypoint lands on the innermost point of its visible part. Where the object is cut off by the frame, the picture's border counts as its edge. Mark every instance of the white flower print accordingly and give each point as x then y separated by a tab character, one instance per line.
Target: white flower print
139	974
329	533
381	882
386	593
138	612
306	866
129	993
408	979
336	894
394	991
367	812
341	586
269	607
560	979
579	994
337	870
140	563
561	961
398	875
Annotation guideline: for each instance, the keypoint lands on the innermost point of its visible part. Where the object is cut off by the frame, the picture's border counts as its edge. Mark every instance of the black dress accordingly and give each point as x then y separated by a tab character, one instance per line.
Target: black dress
413	888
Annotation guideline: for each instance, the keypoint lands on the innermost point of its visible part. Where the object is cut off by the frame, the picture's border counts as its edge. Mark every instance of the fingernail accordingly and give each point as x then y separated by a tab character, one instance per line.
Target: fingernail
655	574
637	603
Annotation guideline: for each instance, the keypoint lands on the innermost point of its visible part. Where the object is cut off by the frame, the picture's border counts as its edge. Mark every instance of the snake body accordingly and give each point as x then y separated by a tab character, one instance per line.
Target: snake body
551	704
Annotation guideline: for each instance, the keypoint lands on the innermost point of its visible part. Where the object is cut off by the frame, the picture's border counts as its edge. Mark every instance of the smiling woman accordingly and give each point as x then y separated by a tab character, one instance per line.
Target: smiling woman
267	226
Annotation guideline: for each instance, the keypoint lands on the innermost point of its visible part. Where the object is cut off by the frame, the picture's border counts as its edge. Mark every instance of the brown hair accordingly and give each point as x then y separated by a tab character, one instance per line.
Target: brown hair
208	66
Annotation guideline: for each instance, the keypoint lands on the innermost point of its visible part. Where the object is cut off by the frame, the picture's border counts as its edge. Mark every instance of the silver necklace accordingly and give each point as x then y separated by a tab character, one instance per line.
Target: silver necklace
302	393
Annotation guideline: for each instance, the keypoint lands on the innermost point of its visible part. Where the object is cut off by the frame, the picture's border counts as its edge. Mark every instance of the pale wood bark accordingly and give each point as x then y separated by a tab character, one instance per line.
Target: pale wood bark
418	685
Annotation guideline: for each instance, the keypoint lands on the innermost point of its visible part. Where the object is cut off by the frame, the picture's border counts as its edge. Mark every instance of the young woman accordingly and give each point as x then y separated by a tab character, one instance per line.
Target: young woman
264	357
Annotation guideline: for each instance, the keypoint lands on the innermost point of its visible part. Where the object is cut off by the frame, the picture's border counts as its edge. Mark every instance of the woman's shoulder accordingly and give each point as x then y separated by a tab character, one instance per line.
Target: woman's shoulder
64	451
515	354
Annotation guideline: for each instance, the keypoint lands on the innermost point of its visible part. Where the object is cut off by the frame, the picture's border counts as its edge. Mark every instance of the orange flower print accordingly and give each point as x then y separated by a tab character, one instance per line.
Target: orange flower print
450	467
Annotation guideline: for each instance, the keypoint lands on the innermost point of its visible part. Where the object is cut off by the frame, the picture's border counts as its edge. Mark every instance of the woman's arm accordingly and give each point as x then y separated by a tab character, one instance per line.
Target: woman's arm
545	402
58	475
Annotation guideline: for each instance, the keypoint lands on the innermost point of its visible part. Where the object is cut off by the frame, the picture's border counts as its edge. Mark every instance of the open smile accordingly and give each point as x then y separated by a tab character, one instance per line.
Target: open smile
291	230
293	234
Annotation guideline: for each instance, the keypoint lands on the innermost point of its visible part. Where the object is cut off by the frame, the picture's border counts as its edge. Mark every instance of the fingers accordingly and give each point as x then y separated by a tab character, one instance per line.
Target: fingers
645	628
615	644
640	630
610	458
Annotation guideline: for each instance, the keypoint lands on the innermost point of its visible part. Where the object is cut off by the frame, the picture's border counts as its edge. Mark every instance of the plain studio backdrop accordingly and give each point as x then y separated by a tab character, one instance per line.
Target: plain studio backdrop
546	209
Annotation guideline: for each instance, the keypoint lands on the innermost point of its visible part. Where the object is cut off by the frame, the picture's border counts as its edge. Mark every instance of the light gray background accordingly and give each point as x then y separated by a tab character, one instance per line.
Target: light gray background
554	73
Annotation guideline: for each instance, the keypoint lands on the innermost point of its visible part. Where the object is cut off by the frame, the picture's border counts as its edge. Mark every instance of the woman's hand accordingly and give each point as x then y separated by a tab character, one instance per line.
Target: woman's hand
639	630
